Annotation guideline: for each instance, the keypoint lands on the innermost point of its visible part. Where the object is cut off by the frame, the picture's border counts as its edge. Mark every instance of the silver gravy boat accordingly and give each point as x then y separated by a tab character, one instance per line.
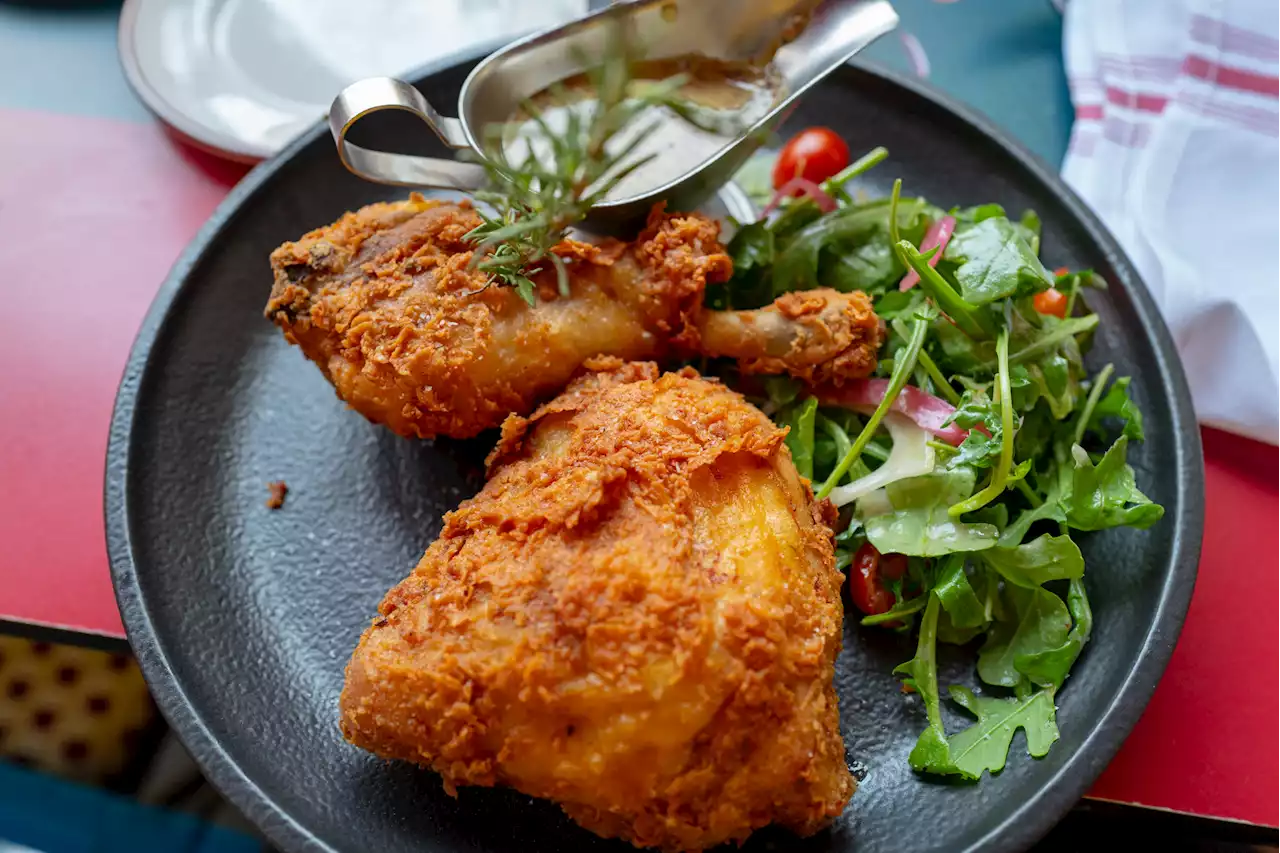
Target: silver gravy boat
730	30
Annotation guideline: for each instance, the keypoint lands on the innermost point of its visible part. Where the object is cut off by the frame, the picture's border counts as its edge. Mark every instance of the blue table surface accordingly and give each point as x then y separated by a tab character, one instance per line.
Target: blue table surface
42	814
1002	57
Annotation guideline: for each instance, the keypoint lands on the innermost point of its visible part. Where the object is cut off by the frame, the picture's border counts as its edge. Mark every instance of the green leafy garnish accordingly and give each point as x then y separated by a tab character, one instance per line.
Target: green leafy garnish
1048	558
992	260
920	524
800	418
1004	463
1106	495
961	603
985	744
1051	666
1116	404
981	415
992	533
1039	623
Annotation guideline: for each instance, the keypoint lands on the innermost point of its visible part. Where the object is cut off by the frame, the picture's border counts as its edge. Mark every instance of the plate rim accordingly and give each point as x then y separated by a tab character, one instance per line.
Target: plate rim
198	134
228	146
1026	824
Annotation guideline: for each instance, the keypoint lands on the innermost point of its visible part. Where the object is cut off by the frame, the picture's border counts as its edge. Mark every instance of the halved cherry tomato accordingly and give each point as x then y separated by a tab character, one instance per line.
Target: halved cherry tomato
867	575
814	154
1051	301
1060	272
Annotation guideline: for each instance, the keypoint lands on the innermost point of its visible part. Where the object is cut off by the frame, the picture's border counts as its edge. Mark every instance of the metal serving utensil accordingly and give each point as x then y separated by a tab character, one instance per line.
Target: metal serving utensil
730	30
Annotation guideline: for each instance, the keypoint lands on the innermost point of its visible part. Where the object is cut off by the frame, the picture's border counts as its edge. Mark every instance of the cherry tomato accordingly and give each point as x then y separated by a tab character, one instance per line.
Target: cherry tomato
866	578
893	566
814	154
1051	301
1060	272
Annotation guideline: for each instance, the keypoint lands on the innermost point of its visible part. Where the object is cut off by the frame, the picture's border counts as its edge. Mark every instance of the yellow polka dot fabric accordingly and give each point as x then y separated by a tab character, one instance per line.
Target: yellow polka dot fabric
74	712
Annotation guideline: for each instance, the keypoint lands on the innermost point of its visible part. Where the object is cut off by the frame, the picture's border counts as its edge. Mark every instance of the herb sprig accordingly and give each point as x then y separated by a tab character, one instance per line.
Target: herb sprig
536	199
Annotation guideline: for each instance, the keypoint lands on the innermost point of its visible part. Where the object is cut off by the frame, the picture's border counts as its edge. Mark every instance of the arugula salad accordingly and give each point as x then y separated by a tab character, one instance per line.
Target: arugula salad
965	467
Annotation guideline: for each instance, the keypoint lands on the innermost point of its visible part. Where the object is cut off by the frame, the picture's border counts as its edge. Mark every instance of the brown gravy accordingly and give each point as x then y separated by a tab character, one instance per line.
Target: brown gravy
730	95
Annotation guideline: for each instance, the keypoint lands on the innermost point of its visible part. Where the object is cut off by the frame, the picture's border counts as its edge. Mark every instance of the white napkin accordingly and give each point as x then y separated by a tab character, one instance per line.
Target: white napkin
1175	145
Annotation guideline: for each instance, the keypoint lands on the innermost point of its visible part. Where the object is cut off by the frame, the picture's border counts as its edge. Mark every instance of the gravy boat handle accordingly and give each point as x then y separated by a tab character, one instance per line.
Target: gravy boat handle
375	94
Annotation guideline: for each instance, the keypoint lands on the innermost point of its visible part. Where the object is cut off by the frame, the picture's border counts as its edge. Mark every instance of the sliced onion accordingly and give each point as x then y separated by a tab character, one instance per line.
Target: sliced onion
802	186
927	411
874	503
911	456
939	234
915	53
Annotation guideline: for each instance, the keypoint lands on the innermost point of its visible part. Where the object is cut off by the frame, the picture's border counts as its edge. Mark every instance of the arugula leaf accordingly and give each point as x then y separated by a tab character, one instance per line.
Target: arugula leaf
800	418
782	390
900	611
1003	473
1025	391
920	525
848	542
1048	558
985	744
895	303
1029	226
1051	666
958	598
978	450
1039	623
753	251
1047	511
962	354
752	247
972	215
869	265
992	260
1088	497
954	635
996	515
1106	495
966	316
975	407
1053	334
797	262
1055	383
931	753
1117	404
1034	433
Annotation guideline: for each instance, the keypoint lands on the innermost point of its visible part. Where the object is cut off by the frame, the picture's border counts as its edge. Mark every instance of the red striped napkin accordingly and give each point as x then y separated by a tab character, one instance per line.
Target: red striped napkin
1176	144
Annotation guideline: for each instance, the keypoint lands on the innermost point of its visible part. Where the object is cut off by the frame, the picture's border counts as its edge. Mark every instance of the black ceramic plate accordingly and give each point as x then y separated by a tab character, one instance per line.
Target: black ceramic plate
243	618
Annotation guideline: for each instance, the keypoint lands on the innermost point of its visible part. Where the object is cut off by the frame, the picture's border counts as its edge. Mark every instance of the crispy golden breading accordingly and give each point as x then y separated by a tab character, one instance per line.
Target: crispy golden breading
637	617
819	335
386	303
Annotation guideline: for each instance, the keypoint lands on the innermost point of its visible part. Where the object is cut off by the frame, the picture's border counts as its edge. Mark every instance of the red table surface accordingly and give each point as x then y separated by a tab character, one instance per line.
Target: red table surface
93	213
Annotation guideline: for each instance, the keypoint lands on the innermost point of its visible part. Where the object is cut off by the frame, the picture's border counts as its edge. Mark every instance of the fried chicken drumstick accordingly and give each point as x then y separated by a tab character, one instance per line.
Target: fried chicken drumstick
386	303
637	617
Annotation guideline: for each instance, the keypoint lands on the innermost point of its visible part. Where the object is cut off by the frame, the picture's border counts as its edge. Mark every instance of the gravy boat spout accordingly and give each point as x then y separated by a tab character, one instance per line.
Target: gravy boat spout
795	43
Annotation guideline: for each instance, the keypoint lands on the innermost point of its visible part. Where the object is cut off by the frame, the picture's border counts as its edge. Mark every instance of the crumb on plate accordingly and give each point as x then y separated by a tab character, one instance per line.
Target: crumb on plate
278	490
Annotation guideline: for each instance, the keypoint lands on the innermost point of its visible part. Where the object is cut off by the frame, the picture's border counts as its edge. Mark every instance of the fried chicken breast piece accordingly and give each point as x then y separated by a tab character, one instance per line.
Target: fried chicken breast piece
386	303
637	617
